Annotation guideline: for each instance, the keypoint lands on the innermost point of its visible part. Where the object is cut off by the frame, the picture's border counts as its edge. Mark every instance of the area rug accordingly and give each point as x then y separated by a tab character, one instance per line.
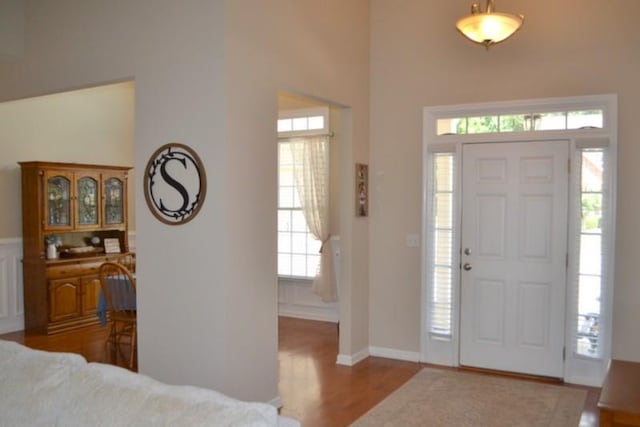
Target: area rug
439	398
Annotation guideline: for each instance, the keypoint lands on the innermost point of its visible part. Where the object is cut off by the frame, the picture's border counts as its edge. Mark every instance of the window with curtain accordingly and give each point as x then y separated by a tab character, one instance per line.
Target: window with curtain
298	248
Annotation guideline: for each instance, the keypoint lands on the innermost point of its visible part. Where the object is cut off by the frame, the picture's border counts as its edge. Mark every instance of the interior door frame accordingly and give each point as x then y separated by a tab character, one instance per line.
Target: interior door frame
444	350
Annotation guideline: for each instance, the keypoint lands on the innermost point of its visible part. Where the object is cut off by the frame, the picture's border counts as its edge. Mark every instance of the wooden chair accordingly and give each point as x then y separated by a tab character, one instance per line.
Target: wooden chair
119	290
128	260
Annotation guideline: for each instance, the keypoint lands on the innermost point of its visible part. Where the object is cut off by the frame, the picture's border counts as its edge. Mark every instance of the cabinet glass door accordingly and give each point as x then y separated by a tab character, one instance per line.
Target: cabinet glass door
87	202
114	201
59	201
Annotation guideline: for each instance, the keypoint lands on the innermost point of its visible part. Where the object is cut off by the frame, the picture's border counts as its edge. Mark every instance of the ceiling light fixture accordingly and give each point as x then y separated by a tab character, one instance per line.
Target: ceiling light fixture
489	27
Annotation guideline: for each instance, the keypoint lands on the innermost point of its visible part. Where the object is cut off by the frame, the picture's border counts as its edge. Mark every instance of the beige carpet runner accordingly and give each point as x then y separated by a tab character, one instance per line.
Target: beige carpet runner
459	399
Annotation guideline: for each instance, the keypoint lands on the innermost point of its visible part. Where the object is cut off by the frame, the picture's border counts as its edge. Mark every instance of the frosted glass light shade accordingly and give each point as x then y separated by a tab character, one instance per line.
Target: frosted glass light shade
489	28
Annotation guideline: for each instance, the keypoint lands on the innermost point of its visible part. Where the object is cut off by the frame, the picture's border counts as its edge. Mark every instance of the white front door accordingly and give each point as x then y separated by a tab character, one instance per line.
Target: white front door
514	249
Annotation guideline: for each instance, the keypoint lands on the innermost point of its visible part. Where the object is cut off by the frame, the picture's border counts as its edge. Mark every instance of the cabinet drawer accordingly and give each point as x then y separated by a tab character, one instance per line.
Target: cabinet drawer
87	268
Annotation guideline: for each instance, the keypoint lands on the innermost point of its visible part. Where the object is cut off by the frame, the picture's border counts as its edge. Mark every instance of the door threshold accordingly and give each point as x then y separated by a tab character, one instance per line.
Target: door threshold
514	375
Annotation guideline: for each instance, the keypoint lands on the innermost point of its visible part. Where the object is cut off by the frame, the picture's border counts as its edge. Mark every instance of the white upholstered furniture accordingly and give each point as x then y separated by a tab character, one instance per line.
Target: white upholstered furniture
39	388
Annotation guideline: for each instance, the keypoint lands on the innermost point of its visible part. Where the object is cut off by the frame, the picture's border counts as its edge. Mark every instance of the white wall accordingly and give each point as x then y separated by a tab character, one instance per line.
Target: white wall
418	59
207	75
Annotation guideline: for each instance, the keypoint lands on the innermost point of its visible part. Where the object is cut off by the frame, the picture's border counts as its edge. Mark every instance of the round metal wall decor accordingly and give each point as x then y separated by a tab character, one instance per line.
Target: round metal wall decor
175	184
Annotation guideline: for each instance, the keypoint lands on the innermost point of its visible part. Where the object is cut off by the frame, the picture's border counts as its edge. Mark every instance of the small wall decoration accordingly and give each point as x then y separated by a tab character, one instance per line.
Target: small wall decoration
362	189
175	184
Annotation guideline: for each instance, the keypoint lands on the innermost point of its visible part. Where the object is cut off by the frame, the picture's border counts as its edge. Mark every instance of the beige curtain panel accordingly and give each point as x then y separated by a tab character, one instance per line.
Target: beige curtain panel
311	175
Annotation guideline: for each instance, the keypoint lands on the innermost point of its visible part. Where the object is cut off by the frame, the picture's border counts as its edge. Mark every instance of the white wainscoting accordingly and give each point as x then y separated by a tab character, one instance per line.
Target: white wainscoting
296	299
11	297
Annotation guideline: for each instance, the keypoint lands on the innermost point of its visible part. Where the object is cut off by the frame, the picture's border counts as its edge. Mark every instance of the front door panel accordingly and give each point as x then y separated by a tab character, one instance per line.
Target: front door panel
514	246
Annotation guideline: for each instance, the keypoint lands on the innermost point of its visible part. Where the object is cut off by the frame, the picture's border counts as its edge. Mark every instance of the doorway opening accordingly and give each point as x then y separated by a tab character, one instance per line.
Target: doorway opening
308	207
93	125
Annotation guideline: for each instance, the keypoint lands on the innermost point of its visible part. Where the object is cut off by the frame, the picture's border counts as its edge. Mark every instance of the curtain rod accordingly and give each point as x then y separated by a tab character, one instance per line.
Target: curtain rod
330	135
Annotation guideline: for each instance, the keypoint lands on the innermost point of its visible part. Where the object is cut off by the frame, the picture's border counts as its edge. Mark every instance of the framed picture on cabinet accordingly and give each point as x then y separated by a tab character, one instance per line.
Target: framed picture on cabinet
112	246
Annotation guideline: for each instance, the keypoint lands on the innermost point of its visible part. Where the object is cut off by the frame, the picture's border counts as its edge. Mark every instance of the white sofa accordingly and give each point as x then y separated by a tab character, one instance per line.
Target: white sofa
39	388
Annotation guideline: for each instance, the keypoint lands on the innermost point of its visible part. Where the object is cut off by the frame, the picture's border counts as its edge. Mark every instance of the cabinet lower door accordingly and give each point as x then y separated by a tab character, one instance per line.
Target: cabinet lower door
90	294
64	299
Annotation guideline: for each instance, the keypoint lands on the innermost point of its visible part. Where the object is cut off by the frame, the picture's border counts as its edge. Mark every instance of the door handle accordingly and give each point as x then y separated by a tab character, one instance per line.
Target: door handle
467	266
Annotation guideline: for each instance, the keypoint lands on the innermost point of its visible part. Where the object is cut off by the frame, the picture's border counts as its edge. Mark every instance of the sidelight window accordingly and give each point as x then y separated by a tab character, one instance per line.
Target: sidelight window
590	278
441	244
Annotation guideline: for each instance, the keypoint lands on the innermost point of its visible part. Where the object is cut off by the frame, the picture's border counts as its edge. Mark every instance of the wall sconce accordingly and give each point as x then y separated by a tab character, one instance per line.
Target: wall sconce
489	27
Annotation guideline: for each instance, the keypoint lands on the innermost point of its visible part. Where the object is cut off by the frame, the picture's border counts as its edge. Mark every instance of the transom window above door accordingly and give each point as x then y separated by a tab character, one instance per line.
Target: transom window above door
521	122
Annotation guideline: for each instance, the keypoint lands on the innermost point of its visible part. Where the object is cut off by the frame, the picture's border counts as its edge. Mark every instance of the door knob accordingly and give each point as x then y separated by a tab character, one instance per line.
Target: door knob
467	266
467	251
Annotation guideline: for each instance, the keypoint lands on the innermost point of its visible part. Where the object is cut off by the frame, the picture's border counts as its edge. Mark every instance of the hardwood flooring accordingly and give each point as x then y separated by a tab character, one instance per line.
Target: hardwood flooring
318	392
313	388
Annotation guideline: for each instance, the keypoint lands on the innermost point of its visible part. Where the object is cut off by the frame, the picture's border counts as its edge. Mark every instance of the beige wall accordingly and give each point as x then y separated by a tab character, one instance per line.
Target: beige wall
312	49
566	48
11	28
85	126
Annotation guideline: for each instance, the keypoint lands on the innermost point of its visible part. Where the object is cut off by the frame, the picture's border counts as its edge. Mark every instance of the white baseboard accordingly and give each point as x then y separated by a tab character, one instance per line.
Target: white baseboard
307	313
350	360
586	381
390	353
296	299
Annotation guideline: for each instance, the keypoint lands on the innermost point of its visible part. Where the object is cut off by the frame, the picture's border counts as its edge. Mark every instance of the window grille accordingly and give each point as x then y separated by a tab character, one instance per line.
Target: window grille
589	280
442	214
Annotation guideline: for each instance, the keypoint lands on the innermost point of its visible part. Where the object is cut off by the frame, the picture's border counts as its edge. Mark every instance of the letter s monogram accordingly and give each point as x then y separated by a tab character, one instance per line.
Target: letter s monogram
174	195
175	184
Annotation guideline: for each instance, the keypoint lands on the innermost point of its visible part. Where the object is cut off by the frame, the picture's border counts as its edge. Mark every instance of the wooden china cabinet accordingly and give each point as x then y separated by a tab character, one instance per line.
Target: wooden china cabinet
74	207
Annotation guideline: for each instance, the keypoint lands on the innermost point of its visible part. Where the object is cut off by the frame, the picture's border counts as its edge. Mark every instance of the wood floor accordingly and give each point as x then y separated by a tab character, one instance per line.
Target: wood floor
312	387
318	392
